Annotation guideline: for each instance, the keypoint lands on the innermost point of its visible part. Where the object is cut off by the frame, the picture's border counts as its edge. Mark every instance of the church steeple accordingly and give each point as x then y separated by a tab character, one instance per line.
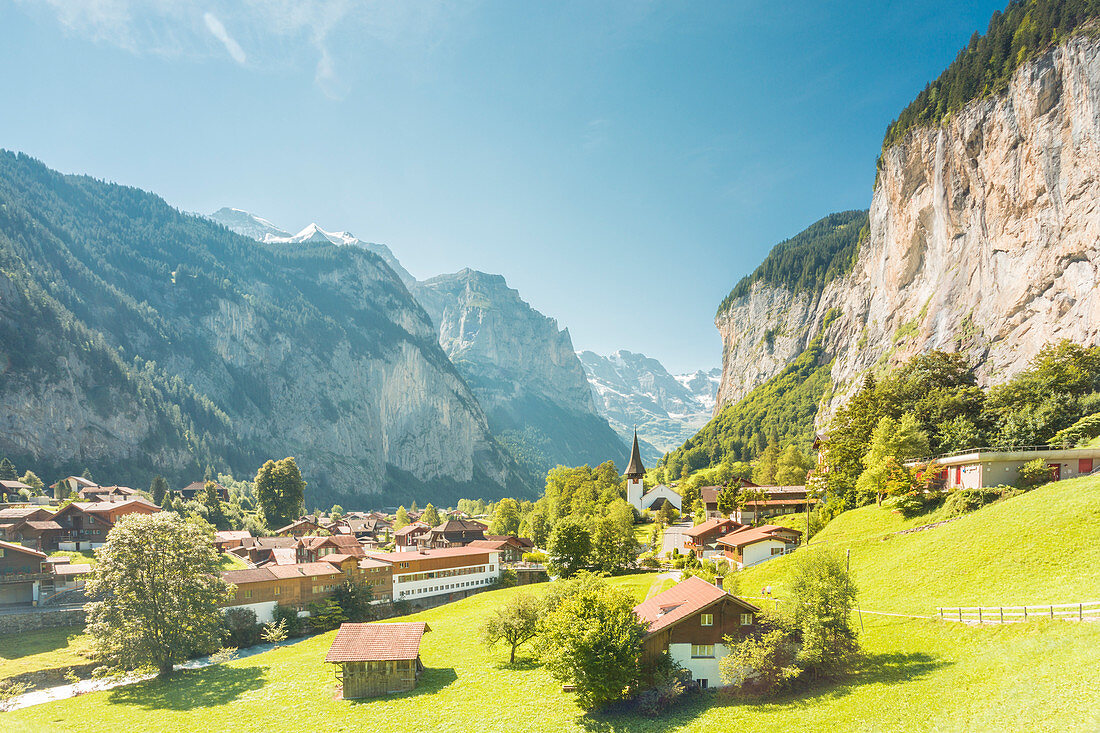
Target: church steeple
634	468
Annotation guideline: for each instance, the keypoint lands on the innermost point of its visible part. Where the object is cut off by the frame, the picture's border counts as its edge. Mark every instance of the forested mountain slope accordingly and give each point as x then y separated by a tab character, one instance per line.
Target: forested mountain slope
143	339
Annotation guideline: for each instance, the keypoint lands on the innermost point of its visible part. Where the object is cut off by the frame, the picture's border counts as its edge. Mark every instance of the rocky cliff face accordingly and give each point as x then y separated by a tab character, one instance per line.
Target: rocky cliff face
984	238
148	341
522	368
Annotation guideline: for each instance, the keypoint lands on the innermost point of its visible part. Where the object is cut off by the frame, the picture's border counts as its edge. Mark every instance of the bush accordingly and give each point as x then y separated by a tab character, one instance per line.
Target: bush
508	579
649	560
911	504
964	501
762	665
241	629
326	615
666	681
1034	474
289	616
539	558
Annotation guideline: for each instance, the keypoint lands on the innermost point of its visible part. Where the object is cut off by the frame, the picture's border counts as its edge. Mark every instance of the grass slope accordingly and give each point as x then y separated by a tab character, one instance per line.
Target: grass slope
37	651
917	674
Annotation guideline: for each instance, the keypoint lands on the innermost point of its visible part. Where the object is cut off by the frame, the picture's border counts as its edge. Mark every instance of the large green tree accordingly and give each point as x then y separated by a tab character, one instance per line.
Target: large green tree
513	624
593	639
280	491
569	547
158	488
821	601
892	442
506	518
159	591
431	516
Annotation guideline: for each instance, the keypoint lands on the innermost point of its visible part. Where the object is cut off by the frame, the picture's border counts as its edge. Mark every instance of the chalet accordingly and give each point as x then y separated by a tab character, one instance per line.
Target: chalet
70	485
197	489
779	500
39	534
267	550
511	549
690	621
453	533
84	526
226	539
22	571
751	546
301	527
983	467
410	534
312	549
296	586
448	574
702	537
377	659
13	487
107	493
67	574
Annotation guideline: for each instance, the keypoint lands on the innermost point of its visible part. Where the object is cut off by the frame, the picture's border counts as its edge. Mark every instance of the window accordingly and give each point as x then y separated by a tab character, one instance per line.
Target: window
706	619
248	594
746	619
702	650
777	551
703	683
278	589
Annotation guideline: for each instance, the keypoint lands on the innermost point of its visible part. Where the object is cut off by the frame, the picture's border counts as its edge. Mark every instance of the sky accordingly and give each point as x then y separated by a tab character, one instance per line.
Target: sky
622	164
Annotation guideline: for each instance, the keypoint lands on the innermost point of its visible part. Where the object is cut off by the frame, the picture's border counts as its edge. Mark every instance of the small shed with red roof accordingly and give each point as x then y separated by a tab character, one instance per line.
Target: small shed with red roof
377	658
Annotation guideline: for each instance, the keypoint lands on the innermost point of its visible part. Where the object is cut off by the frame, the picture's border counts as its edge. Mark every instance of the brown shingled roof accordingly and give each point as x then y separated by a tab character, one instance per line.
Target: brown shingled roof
377	642
680	601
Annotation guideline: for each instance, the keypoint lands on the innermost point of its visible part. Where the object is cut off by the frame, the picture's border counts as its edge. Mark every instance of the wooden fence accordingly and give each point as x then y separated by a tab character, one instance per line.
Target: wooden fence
1089	611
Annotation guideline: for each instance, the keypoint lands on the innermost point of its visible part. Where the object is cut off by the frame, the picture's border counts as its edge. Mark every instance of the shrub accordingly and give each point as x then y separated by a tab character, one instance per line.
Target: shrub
536	557
326	615
241	629
761	665
911	504
508	579
1034	474
964	501
289	616
666	681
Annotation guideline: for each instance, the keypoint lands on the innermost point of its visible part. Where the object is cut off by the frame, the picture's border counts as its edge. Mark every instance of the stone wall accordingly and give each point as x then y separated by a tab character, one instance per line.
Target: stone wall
34	620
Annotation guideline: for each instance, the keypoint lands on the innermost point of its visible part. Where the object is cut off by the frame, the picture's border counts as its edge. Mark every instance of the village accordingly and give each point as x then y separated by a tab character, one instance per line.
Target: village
301	567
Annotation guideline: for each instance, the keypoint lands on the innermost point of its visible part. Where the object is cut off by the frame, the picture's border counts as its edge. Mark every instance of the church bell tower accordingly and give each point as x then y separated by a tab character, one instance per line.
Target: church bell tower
634	474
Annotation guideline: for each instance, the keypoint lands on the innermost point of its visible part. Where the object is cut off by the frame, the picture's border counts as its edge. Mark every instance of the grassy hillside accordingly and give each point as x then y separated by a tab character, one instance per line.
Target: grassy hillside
1039	547
917	674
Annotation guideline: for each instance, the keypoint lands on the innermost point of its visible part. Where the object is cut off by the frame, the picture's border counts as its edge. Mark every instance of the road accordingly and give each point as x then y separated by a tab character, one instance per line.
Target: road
674	537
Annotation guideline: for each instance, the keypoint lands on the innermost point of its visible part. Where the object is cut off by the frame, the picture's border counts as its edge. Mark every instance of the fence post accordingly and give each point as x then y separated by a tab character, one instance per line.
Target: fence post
1025	613
979	614
940	609
960	613
1002	610
1052	611
1080	611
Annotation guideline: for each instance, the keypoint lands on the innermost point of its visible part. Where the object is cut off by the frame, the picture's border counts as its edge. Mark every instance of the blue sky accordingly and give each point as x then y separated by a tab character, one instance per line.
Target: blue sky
623	164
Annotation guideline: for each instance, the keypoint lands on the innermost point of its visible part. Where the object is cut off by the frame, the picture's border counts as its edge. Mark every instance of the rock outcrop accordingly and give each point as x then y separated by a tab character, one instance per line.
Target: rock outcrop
984	238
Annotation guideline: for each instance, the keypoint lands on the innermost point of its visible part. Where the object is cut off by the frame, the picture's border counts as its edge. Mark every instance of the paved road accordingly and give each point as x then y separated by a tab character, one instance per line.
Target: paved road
674	537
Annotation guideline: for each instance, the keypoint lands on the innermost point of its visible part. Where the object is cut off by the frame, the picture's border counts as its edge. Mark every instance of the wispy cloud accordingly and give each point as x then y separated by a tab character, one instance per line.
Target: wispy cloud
275	31
218	30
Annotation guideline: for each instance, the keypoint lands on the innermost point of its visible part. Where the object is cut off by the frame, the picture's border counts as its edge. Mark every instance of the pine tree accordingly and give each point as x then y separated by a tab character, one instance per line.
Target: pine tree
7	470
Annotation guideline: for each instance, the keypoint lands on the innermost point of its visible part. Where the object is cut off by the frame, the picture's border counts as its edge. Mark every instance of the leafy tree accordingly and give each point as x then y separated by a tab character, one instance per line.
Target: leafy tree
402	518
791	467
158	489
7	470
569	547
326	615
727	499
821	600
666	515
240	625
513	624
336	513
431	516
892	443
613	545
538	529
215	508
356	601
763	473
275	632
159	590
958	433
30	479
280	490
763	664
506	518
593	639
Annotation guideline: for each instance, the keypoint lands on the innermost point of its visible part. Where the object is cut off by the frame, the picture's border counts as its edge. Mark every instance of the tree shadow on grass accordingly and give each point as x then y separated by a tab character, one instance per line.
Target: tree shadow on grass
192	688
432	680
37	643
522	664
891	668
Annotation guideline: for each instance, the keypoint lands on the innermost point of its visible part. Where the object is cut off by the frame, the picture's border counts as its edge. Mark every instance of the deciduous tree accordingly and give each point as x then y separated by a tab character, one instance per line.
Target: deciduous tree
569	547
280	492
513	624
159	589
821	602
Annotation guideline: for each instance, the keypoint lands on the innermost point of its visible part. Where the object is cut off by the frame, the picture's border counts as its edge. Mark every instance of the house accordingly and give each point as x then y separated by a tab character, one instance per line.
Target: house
410	534
197	489
702	537
377	659
511	548
226	539
267	550
22	571
984	467
312	549
70	485
67	575
709	496
453	533
690	621
750	546
300	527
84	526
780	500
38	534
107	493
13	487
427	577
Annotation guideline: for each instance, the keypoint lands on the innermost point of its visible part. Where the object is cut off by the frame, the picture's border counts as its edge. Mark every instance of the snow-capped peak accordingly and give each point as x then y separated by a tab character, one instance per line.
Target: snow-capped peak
314	234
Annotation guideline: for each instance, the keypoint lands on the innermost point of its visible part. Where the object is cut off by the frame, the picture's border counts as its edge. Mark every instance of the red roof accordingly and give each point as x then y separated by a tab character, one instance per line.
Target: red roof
377	642
680	601
426	554
749	535
709	526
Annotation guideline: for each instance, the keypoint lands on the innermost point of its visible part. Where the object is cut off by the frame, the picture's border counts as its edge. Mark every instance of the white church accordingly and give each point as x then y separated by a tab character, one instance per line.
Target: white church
635	492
